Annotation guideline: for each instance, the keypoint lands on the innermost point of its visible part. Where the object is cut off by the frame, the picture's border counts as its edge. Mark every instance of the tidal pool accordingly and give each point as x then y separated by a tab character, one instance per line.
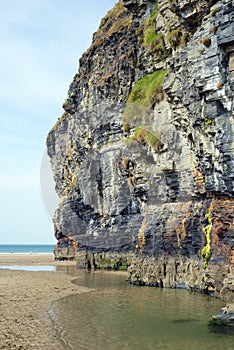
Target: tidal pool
120	316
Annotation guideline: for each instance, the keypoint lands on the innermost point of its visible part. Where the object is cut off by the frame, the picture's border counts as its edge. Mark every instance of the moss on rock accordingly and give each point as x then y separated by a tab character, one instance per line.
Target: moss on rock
206	251
148	90
146	137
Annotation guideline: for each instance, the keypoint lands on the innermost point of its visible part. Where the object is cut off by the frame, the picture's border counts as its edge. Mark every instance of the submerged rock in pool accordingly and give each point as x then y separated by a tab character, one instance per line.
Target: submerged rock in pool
225	317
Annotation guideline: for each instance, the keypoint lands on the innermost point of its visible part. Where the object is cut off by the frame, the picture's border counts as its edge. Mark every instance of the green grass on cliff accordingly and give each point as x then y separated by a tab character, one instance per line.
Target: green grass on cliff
152	40
145	137
149	27
148	90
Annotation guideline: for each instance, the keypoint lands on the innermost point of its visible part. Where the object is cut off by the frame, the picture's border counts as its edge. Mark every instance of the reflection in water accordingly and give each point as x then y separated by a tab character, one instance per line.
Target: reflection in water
117	315
71	270
214	328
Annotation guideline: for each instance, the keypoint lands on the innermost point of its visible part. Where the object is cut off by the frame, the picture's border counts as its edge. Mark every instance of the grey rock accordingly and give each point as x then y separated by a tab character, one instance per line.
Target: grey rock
119	194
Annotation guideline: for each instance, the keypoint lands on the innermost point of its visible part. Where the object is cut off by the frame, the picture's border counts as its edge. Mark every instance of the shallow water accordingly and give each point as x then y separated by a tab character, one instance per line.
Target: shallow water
29	268
120	316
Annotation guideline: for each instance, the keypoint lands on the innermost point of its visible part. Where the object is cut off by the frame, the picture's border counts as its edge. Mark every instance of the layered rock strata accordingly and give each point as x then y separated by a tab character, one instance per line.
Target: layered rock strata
143	156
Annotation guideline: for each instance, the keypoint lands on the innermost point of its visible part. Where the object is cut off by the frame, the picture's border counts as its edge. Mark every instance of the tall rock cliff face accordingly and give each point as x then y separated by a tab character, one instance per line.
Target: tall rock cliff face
143	156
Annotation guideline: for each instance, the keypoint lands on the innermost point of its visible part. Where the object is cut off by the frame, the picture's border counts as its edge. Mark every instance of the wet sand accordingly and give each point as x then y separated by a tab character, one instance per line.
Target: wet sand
26	297
32	259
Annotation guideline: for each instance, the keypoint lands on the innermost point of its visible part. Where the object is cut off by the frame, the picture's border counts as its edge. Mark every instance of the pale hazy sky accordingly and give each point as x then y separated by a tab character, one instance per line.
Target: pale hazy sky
41	42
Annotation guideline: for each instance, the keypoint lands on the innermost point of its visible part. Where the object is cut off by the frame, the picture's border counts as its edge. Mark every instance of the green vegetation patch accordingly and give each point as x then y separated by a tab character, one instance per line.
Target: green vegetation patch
148	90
115	264
123	268
145	137
217	320
149	26
152	40
106	262
206	251
123	261
209	121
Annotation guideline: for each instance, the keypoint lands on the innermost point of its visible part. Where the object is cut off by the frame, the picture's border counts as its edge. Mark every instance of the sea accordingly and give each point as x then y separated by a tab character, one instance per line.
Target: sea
26	248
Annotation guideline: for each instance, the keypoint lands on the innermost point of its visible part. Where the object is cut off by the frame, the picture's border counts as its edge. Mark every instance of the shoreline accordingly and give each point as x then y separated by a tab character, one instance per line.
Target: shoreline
26	297
32	259
7	255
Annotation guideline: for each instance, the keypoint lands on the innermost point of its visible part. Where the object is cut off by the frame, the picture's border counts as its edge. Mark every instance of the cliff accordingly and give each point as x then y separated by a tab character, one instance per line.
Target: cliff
143	156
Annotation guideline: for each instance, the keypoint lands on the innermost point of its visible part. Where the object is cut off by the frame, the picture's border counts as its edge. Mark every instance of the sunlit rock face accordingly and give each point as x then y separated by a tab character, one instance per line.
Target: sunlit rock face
143	156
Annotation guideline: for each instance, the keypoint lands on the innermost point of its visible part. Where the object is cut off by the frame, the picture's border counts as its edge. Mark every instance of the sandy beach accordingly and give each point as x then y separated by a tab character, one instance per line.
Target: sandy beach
26	297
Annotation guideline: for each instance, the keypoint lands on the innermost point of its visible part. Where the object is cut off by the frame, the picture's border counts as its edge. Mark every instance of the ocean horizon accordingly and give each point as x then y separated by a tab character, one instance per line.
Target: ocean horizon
26	248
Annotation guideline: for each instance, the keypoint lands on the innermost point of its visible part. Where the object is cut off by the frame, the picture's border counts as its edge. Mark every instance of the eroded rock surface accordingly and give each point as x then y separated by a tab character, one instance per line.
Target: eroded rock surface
144	165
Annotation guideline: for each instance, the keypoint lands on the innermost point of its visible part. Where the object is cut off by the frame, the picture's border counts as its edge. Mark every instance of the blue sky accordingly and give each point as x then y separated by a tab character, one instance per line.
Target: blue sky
41	43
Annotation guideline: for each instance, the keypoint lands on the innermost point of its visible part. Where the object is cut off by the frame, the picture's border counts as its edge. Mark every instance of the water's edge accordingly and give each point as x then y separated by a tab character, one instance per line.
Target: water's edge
82	318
